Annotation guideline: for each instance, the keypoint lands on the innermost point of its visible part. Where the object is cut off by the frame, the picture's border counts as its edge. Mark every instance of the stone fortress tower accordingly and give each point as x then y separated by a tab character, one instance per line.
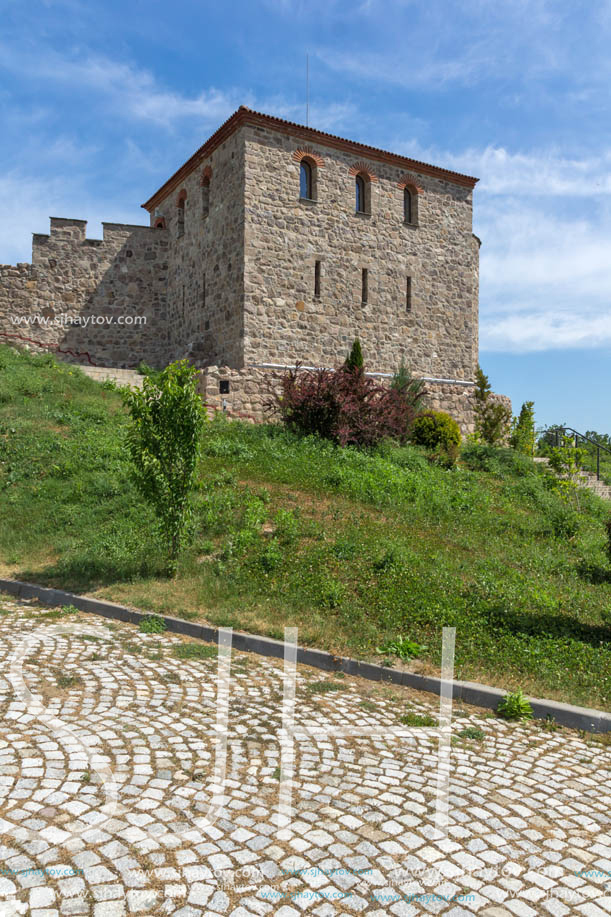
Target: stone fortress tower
274	244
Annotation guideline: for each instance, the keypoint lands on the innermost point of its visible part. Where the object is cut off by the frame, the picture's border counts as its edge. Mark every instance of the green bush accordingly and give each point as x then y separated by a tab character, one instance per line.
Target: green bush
492	417
436	430
163	441
152	624
354	360
522	437
515	707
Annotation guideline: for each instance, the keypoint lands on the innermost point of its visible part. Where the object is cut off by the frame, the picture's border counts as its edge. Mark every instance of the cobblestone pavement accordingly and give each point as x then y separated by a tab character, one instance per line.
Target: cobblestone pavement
108	749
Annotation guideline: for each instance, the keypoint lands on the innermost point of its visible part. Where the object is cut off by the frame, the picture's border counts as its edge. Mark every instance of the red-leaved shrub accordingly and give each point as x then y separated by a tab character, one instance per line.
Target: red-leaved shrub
345	406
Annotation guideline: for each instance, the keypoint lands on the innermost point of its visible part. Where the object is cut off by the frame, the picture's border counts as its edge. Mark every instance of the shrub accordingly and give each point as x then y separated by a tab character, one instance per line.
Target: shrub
435	430
492	418
152	624
354	360
563	521
608	531
567	461
344	406
163	441
402	647
410	387
522	437
515	707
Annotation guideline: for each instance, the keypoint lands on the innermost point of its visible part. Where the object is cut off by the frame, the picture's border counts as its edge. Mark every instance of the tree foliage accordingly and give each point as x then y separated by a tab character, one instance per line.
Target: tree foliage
410	387
167	419
492	417
435	429
566	460
354	360
523	430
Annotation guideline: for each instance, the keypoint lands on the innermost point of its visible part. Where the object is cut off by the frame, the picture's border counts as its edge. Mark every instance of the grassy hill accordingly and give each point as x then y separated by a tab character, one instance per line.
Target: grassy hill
354	548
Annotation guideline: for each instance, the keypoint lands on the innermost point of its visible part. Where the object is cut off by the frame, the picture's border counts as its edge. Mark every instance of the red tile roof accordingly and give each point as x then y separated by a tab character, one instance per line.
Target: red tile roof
245	115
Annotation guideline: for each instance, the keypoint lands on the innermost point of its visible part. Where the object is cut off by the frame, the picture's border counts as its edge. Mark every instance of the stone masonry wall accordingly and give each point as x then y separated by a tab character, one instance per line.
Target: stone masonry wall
205	281
284	236
99	301
251	389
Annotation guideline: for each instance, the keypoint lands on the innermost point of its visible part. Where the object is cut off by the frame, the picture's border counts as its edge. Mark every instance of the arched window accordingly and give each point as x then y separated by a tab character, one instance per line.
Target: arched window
408	209
360	187
411	193
305	181
160	223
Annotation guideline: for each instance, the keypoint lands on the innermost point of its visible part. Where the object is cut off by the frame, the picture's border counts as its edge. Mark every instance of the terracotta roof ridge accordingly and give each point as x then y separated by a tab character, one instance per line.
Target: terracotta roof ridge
248	115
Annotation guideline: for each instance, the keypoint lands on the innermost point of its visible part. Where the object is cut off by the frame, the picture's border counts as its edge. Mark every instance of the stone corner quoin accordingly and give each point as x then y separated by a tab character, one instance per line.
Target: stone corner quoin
246	270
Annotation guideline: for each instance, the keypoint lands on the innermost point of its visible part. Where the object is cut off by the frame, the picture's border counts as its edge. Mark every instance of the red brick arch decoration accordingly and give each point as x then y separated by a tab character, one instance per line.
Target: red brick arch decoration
362	168
307	152
408	182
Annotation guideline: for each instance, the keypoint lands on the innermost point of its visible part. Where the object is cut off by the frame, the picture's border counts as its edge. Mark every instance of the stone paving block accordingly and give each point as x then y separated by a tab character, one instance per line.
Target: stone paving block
528	810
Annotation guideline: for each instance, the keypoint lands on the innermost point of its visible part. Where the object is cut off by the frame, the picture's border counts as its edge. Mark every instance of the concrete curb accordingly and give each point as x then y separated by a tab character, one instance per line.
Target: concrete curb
469	692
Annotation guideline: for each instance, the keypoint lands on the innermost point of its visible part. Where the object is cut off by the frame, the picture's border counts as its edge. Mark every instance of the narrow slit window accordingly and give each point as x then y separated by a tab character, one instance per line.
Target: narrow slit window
317	278
180	222
204	290
365	285
205	198
408	295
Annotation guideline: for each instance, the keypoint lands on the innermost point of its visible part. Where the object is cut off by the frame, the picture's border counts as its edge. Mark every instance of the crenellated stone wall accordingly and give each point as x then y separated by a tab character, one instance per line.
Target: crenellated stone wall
101	301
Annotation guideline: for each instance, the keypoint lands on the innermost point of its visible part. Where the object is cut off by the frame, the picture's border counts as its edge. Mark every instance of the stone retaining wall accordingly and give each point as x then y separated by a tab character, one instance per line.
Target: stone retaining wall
252	389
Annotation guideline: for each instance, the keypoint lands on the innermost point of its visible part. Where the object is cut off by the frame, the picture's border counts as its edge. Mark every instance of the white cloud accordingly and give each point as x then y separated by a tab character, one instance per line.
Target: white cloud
536	173
545	278
539	331
130	91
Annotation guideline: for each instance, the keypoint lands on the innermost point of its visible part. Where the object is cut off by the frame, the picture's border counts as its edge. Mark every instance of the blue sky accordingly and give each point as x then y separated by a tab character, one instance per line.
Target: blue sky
102	100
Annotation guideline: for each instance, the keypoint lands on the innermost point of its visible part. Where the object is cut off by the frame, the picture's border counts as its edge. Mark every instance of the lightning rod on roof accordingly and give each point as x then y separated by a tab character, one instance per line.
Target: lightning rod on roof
307	90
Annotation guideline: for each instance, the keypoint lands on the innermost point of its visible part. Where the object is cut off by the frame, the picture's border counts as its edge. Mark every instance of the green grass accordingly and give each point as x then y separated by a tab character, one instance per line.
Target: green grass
324	687
418	719
472	732
194	651
353	548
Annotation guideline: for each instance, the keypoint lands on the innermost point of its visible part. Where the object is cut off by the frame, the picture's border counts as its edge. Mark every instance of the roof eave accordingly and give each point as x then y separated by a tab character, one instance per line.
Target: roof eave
246	116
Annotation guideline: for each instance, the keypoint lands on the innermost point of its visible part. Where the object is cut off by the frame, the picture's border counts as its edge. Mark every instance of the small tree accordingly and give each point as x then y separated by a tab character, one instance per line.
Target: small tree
163	441
354	360
523	430
567	461
410	387
492	418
